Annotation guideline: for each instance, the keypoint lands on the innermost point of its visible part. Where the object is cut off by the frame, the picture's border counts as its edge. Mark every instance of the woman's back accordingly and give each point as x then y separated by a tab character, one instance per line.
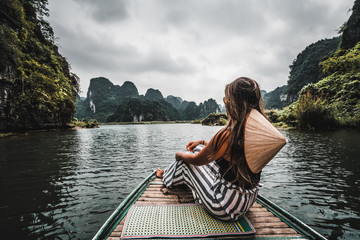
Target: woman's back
229	175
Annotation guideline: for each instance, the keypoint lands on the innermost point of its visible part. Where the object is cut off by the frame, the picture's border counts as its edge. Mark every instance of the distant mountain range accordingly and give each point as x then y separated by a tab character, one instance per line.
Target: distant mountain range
107	102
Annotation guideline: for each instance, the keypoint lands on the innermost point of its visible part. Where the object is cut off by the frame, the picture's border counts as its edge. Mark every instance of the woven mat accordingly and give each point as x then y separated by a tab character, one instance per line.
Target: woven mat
179	221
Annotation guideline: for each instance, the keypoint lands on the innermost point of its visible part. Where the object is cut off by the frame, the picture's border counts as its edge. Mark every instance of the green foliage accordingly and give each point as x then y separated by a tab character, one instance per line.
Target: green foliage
197	121
6	134
85	123
343	61
287	116
350	118
214	119
273	115
312	113
42	89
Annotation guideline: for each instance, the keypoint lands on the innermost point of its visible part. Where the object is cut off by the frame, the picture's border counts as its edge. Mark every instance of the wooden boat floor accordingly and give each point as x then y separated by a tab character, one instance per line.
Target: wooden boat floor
265	223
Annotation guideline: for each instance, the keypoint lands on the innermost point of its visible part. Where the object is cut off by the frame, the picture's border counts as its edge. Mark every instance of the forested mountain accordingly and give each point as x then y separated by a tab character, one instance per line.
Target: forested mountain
103	97
153	94
192	111
335	99
207	107
263	93
137	110
108	102
351	29
176	102
306	67
37	89
276	99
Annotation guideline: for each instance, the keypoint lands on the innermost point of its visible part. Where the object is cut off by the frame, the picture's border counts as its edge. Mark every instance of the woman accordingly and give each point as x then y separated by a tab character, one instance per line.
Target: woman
218	174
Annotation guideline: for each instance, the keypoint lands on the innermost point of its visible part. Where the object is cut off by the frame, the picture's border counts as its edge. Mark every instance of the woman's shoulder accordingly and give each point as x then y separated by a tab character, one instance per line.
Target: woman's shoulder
223	133
219	143
222	137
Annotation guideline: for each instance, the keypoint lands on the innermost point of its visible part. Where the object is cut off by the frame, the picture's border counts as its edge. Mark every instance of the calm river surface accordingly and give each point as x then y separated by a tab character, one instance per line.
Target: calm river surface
65	184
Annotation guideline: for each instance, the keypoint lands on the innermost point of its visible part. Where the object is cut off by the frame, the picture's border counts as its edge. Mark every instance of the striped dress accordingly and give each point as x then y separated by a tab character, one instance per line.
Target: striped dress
221	198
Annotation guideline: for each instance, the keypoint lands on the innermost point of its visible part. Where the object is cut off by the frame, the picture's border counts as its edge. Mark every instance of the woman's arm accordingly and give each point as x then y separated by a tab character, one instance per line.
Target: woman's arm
207	154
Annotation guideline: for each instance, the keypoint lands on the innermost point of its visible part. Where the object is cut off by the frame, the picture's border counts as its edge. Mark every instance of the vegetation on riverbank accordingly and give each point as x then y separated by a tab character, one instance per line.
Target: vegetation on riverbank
73	125
334	101
214	119
6	134
83	124
144	122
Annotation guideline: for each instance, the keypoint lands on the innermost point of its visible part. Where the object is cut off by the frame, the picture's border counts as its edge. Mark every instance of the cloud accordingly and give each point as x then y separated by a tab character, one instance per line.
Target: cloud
187	48
109	55
158	60
106	11
225	16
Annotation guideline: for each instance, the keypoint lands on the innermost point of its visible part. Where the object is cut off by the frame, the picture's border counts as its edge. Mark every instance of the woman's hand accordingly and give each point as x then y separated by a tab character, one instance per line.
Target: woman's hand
191	145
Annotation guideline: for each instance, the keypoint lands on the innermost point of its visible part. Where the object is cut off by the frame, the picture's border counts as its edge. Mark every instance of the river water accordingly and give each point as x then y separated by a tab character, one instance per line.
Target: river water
65	184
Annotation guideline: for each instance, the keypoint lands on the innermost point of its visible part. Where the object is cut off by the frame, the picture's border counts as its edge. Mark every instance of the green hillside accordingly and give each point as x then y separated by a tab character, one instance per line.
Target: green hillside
37	89
334	101
306	67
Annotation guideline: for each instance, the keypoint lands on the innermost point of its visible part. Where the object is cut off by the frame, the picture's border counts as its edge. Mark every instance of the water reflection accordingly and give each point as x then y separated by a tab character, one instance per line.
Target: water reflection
31	194
63	185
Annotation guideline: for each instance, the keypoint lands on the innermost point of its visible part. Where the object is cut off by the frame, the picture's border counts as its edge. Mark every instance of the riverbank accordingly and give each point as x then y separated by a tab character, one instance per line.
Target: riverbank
144	122
310	118
6	135
91	124
213	119
83	124
26	133
71	126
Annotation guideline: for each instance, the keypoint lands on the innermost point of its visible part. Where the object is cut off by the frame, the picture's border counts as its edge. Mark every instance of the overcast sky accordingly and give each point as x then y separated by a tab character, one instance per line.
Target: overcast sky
190	48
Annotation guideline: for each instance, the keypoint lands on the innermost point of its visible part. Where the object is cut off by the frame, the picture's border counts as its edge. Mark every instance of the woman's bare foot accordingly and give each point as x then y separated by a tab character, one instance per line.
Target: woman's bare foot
159	173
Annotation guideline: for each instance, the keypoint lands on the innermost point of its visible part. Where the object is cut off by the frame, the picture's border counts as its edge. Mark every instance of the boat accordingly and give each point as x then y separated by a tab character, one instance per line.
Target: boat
270	221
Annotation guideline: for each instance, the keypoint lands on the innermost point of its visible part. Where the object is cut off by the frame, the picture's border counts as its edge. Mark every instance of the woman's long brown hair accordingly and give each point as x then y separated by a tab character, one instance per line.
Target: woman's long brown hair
241	96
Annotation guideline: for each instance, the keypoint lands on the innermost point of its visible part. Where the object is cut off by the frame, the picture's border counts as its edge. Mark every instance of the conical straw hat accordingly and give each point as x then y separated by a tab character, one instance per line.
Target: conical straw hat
262	141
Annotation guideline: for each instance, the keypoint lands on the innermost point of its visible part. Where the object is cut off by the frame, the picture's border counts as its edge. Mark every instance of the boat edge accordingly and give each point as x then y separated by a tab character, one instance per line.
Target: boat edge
110	224
289	219
122	209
